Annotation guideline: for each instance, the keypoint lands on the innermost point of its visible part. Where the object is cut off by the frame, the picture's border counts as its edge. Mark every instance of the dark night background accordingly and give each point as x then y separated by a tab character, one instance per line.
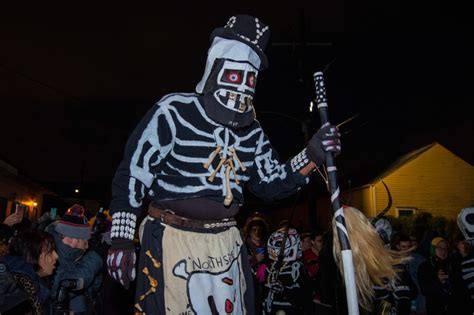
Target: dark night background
75	79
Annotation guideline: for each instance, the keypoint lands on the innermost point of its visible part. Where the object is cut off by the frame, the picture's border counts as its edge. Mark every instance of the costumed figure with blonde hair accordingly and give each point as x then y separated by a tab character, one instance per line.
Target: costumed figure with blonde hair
191	156
395	297
377	267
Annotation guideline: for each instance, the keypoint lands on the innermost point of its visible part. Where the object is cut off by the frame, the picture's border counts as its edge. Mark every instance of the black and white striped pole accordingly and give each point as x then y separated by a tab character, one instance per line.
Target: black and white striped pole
346	252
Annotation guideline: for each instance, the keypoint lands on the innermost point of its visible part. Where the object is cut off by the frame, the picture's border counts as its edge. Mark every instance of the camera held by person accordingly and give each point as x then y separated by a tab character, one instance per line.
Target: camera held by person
61	305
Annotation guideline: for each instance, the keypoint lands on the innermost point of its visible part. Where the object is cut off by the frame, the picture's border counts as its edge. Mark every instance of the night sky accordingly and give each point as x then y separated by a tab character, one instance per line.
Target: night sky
76	79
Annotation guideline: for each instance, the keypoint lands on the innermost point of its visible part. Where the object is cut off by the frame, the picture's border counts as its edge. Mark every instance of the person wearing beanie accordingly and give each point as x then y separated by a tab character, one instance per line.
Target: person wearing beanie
433	277
191	156
76	261
74	227
439	283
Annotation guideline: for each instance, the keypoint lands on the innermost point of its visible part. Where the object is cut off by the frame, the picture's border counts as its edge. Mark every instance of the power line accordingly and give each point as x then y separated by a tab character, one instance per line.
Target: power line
41	83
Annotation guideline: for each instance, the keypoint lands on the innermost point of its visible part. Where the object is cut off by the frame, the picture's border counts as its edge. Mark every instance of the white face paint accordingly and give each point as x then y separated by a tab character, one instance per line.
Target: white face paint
236	82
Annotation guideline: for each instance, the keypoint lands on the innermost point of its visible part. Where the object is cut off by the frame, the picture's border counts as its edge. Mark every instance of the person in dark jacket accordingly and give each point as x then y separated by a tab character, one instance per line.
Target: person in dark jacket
255	236
396	297
436	279
32	258
71	234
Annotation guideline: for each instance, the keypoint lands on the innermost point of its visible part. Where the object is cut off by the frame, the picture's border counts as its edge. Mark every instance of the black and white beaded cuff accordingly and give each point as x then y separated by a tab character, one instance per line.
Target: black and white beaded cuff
123	225
300	160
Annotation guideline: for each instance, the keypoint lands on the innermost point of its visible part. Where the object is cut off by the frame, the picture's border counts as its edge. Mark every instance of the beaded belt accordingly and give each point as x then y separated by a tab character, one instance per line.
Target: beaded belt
168	217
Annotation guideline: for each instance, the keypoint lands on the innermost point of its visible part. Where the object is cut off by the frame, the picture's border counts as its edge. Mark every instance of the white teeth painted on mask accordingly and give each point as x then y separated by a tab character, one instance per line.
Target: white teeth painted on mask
233	100
249	101
232	96
230	103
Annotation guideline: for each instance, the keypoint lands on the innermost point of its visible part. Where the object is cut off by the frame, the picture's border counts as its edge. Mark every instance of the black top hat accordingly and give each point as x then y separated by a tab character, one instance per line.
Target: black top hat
248	30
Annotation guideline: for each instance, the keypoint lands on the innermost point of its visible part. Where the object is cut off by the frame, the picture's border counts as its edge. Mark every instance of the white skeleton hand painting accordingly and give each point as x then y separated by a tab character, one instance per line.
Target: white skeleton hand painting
213	293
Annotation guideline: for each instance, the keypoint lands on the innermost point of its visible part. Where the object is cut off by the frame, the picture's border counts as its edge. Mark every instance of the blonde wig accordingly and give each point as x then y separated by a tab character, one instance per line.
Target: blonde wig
374	264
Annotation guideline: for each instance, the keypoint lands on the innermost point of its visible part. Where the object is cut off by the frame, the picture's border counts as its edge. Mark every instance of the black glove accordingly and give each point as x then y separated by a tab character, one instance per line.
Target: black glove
326	139
121	261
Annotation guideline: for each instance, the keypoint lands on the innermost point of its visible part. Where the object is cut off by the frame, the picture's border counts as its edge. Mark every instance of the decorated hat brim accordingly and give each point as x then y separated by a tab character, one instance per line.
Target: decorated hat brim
227	33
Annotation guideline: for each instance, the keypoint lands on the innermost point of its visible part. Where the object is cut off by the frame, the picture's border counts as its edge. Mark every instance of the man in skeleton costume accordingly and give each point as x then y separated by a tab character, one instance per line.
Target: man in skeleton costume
190	156
287	283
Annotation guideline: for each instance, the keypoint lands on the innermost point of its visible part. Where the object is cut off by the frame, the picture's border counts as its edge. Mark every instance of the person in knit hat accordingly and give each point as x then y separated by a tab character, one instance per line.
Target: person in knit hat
76	261
74	225
435	278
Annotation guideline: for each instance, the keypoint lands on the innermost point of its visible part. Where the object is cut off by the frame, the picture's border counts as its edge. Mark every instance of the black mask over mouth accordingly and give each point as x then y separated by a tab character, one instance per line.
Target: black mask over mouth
229	91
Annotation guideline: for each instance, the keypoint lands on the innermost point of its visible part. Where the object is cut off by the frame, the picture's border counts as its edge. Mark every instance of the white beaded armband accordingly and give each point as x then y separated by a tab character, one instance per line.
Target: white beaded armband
123	225
300	160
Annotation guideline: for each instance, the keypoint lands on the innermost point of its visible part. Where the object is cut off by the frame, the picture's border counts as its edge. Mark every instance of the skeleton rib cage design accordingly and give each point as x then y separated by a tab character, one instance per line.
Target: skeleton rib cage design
178	152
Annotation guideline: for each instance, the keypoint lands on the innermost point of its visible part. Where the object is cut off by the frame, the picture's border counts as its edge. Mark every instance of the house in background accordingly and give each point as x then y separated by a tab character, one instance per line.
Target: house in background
18	191
431	179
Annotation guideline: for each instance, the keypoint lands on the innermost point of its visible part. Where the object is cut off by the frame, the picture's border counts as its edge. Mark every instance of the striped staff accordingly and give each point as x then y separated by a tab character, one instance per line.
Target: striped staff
348	267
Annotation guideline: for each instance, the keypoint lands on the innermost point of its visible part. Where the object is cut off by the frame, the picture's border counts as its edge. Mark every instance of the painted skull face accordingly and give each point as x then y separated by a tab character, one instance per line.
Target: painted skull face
236	86
465	221
228	83
384	229
292	245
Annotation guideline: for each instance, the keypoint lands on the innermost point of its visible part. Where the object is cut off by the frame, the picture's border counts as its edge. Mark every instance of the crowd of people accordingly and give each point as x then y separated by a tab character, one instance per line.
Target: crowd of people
186	167
432	278
56	266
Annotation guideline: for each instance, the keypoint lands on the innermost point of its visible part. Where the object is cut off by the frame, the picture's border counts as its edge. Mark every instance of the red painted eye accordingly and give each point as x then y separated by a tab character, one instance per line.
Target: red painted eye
232	76
251	79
